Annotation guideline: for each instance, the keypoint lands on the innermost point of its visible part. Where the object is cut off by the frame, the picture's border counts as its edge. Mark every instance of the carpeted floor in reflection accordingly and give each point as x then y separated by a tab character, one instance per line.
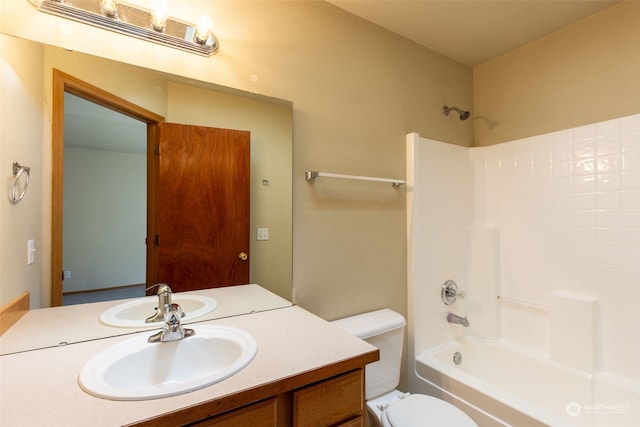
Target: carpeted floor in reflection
106	295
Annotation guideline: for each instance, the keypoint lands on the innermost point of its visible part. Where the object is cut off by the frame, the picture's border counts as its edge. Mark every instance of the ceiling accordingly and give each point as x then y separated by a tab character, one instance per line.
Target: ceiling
473	31
91	126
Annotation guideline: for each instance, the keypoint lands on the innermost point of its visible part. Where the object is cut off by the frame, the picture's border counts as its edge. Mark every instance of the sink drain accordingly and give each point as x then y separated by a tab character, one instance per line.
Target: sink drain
457	358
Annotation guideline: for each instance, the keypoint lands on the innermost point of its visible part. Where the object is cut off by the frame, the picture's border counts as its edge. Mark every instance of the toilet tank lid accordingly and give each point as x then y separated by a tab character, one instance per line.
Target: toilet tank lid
369	324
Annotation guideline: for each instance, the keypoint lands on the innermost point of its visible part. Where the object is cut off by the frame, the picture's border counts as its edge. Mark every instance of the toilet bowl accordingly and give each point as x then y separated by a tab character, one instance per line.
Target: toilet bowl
387	406
419	410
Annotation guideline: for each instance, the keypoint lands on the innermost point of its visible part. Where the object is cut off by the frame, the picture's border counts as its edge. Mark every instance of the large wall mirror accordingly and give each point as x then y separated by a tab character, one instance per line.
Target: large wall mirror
184	101
179	101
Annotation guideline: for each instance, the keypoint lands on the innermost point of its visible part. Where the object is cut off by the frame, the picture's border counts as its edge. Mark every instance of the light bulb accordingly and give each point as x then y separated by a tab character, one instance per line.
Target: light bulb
203	30
159	14
109	7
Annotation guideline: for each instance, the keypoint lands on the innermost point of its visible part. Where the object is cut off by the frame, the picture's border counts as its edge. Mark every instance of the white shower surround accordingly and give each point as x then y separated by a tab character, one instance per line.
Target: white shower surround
522	221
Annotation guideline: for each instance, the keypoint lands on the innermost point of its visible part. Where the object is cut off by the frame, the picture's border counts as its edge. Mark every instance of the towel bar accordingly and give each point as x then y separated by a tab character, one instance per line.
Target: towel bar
312	175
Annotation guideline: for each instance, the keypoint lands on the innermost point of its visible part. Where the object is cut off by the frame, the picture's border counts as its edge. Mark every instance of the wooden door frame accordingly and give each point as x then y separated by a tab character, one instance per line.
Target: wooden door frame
62	83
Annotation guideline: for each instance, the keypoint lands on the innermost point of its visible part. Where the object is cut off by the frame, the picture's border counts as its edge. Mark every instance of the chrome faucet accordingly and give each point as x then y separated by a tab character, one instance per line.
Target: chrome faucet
454	318
172	330
164	301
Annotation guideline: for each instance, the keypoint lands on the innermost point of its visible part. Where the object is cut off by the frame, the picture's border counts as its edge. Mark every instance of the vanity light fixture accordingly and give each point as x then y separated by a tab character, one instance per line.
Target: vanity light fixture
153	25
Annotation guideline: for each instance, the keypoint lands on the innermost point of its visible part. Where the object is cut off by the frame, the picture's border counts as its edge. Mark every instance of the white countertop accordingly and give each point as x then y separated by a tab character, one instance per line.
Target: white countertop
40	387
48	327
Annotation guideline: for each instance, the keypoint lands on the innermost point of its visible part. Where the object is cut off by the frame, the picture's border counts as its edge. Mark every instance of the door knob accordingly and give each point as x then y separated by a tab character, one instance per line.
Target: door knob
243	256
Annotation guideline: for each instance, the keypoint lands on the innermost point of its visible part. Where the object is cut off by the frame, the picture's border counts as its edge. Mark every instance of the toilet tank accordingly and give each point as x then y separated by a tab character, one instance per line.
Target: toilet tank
383	329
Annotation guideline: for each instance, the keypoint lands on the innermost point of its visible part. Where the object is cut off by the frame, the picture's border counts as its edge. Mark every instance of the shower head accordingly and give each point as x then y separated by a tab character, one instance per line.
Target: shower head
464	115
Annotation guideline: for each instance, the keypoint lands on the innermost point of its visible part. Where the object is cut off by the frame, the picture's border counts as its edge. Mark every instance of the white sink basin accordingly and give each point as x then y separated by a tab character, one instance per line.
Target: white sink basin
133	313
138	370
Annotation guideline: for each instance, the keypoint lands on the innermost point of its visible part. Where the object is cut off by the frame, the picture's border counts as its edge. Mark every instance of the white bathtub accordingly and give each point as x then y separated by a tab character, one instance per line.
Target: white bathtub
516	387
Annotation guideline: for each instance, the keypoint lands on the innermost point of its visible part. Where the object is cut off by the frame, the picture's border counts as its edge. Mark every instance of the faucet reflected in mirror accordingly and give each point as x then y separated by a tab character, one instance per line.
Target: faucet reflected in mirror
164	303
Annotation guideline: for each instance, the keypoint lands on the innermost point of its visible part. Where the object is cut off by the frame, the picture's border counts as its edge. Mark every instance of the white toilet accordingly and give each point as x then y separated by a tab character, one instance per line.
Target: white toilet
389	407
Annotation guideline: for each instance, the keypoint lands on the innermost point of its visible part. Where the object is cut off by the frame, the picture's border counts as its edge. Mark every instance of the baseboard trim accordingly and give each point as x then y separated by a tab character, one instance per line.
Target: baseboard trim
90	291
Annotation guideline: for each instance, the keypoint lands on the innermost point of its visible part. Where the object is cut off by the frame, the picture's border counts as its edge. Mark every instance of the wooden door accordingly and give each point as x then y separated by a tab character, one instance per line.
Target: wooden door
203	207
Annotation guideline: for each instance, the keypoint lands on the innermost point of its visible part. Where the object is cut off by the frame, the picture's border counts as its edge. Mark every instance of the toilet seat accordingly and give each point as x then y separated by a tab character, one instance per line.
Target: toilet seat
418	410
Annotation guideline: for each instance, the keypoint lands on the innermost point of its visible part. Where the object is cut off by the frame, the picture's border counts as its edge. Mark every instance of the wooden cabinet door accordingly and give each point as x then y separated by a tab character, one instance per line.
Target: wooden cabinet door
337	401
203	207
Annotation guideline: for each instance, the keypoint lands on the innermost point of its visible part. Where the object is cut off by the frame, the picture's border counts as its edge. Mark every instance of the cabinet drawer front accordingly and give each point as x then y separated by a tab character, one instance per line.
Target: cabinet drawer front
330	402
261	414
355	422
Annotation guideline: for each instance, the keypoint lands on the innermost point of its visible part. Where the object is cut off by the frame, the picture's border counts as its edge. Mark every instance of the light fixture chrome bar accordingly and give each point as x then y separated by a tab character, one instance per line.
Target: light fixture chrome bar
133	21
312	175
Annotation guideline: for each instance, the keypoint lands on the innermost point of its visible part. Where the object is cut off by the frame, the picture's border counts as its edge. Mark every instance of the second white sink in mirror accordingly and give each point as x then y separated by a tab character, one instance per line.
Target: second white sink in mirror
132	314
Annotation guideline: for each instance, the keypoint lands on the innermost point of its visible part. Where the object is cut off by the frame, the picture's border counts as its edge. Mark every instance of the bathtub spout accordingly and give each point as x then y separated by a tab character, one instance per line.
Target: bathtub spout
454	318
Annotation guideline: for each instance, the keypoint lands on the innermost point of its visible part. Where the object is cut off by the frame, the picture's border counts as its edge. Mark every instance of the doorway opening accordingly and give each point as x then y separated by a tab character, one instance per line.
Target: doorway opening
63	86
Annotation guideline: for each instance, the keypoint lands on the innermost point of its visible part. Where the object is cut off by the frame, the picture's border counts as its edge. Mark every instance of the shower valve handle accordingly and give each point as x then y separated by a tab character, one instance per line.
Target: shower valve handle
450	292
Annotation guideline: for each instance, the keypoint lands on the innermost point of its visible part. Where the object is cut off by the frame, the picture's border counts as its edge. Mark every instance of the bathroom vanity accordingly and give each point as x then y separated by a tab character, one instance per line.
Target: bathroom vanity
306	372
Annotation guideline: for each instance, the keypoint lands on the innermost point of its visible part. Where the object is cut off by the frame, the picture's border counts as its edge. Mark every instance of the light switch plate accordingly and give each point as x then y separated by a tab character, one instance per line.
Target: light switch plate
263	234
31	251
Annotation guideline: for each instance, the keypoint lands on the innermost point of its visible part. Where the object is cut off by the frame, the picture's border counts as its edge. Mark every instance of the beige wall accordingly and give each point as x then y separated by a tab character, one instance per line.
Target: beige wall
585	73
21	135
356	90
